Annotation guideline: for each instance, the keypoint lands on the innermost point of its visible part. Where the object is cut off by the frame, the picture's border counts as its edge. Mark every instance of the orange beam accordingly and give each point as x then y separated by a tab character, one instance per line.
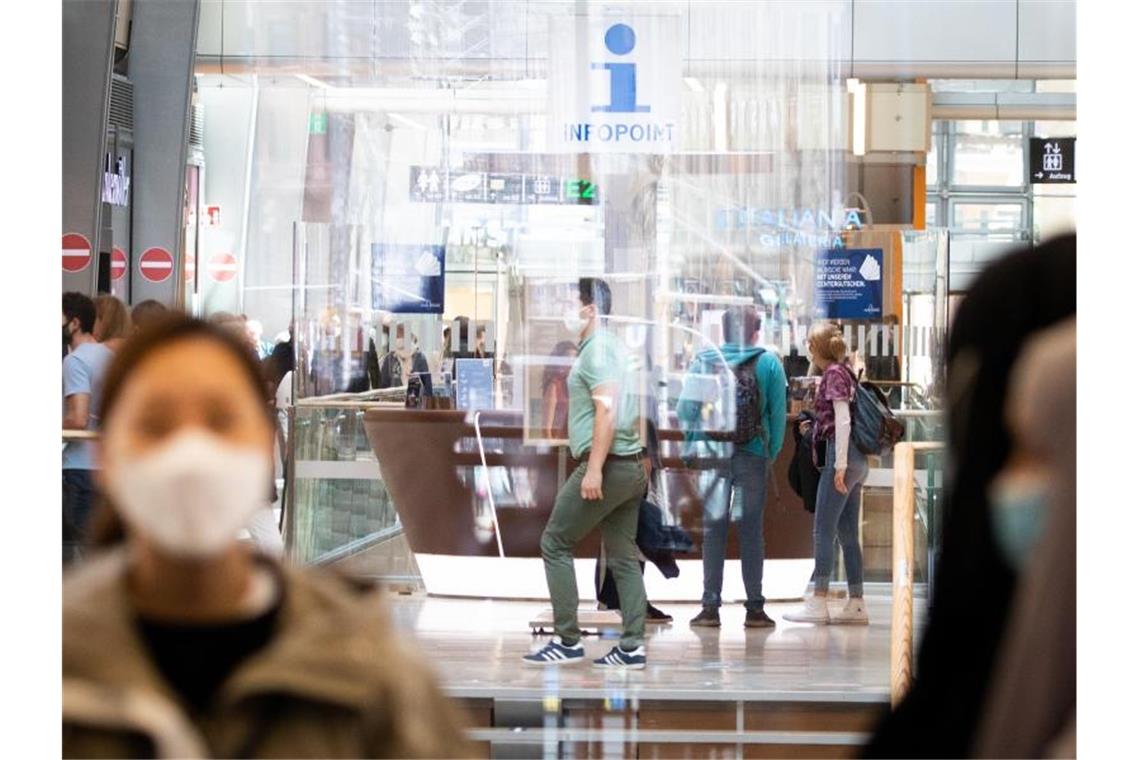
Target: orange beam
919	212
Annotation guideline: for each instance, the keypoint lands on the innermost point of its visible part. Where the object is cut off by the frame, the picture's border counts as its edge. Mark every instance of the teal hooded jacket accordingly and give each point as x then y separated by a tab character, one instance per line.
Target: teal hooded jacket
773	385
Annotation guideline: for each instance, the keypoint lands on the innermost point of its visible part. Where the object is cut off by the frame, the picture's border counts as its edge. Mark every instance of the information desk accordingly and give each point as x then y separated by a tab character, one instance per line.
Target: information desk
475	531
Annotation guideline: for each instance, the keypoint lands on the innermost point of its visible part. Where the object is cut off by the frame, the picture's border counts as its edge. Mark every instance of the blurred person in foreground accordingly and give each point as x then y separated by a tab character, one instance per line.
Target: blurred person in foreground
1033	507
1014	297
178	641
85	363
146	313
112	322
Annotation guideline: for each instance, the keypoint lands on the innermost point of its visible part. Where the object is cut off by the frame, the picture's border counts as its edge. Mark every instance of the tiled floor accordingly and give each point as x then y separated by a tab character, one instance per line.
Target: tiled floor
475	646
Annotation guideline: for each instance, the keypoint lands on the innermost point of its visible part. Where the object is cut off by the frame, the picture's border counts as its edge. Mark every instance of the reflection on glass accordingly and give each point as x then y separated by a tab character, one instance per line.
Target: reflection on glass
988	153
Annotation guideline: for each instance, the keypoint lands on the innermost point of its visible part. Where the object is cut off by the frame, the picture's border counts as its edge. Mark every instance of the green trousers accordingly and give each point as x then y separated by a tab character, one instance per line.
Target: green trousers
623	486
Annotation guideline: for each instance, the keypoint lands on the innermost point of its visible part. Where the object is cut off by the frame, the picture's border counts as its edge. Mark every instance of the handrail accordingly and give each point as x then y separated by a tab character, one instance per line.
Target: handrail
490	488
80	435
902	566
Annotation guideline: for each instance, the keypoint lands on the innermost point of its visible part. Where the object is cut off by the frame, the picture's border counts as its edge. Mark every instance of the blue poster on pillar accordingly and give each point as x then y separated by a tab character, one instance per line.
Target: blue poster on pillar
849	283
407	279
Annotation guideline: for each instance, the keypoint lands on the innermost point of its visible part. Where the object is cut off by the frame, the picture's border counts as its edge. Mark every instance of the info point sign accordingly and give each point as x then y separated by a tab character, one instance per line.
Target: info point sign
618	93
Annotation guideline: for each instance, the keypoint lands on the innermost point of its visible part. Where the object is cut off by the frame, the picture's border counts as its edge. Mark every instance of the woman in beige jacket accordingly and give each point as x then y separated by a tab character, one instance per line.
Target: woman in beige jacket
178	641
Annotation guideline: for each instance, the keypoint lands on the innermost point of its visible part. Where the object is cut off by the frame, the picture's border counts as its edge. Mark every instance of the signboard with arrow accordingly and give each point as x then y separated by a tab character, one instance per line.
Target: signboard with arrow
1052	160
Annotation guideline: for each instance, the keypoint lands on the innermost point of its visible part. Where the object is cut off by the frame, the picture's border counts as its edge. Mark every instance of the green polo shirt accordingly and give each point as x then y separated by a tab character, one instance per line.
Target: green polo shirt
602	360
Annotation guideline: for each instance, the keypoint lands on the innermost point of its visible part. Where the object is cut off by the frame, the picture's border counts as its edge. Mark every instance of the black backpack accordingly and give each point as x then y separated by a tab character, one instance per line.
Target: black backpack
874	429
749	423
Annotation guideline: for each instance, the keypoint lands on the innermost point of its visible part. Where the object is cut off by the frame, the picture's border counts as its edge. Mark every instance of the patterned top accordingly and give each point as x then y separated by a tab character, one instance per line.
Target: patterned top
837	384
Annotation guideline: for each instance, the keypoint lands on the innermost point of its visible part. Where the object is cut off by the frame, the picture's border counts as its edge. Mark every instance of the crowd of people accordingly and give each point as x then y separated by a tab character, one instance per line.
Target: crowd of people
228	650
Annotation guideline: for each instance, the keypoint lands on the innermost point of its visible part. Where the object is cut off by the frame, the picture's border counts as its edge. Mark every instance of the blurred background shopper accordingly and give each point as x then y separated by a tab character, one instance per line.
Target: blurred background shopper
112	321
178	640
146	312
1011	299
85	362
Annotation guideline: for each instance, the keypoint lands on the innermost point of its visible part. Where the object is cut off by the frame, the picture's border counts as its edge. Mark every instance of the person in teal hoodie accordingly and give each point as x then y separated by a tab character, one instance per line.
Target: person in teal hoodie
745	469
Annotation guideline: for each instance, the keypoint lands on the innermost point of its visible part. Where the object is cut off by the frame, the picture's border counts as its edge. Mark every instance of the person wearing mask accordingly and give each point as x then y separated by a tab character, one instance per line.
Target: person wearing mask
746	473
178	640
146	313
84	366
840	495
112	322
972	589
605	488
403	362
1033	512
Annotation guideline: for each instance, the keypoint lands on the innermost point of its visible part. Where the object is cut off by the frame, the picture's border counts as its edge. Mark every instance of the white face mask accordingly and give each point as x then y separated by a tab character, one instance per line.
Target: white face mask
574	321
192	495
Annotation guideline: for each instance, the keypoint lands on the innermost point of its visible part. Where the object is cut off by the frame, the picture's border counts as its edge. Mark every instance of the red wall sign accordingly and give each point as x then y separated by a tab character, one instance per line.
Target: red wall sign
118	263
156	264
76	252
222	267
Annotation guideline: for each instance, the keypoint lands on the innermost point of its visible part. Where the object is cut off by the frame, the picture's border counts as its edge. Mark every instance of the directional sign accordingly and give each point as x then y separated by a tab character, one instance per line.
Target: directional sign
76	252
118	263
583	190
1052	160
222	267
156	265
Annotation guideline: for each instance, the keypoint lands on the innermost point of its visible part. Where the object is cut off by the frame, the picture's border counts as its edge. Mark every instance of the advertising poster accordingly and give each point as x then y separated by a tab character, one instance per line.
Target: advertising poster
407	279
849	283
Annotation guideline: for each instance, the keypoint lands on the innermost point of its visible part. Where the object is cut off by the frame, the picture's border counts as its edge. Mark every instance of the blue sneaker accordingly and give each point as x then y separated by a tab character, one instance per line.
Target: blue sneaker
619	659
556	653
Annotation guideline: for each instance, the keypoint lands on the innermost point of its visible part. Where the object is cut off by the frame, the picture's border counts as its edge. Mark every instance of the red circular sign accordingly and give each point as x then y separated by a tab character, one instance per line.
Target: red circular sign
76	252
118	263
222	267
156	264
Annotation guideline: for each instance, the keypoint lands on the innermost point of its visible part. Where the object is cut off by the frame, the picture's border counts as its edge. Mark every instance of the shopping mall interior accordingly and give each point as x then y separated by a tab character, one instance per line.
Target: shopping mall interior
746	310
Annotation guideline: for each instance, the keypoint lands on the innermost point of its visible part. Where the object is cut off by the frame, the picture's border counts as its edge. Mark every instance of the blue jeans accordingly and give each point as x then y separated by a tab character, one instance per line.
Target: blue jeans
746	479
838	514
78	496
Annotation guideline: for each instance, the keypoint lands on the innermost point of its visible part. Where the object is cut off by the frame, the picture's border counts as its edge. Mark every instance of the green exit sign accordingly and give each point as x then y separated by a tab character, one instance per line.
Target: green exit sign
318	123
584	191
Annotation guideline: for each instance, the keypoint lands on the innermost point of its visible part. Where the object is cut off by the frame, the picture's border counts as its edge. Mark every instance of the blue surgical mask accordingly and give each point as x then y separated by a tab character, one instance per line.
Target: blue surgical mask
1019	506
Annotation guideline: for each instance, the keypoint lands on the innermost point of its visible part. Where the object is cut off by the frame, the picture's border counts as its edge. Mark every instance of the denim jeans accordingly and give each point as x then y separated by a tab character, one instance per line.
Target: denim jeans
78	496
838	514
746	479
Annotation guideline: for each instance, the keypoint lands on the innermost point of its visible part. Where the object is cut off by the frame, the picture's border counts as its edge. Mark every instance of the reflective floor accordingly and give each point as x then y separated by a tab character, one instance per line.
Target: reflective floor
475	646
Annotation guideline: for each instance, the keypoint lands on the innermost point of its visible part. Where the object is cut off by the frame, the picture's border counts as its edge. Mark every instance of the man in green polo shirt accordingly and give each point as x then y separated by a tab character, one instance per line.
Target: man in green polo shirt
605	488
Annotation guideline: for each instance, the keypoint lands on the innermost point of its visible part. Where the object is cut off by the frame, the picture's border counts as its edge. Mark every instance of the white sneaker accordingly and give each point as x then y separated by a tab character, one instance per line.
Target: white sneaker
853	613
813	611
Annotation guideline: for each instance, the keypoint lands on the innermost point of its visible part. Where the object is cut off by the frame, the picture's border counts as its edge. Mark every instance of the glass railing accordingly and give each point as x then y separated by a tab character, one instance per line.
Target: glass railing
338	503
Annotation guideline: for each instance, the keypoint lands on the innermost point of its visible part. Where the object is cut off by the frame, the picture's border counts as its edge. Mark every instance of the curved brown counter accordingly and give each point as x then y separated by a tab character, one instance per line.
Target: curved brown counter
429	460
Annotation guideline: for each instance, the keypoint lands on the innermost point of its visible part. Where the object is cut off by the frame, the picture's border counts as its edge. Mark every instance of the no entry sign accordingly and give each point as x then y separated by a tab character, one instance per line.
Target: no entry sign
76	252
222	267
156	264
118	263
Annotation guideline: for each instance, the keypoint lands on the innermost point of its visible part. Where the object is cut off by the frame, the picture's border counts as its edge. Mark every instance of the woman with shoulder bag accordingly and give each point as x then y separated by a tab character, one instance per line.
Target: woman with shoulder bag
844	469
